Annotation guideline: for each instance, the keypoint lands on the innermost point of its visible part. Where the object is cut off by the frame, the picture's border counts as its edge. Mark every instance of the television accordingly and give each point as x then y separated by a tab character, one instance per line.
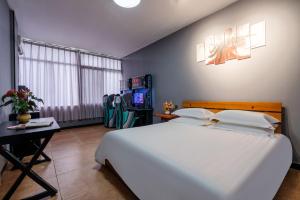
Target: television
138	98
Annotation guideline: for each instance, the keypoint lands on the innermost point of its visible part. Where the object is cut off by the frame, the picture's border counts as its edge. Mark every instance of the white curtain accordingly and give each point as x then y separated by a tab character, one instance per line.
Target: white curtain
99	76
71	83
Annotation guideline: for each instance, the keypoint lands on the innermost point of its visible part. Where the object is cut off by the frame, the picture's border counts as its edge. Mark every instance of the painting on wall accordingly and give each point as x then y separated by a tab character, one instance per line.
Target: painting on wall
243	47
219	49
234	43
200	52
230	43
210	52
258	34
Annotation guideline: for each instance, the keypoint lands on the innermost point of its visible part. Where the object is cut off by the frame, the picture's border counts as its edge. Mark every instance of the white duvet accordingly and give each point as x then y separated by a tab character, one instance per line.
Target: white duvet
176	161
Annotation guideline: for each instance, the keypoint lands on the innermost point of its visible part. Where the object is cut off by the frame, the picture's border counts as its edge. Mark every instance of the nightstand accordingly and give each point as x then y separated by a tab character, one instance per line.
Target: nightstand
165	117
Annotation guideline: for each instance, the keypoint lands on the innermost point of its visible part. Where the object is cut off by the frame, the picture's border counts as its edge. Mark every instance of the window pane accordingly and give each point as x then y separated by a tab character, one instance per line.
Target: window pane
53	75
47	72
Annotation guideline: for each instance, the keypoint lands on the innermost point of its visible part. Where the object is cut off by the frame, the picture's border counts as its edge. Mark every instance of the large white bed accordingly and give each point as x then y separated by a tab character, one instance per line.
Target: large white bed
175	161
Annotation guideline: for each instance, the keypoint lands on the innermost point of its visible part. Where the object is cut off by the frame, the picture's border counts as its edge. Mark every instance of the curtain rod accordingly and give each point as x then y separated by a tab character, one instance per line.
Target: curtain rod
83	51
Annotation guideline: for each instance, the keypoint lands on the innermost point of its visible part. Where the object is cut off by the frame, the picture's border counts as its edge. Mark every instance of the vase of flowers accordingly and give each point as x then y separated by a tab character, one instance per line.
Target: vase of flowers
22	101
168	107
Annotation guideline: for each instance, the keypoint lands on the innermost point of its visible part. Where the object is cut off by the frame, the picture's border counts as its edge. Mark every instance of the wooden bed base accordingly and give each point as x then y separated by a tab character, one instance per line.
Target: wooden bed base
272	108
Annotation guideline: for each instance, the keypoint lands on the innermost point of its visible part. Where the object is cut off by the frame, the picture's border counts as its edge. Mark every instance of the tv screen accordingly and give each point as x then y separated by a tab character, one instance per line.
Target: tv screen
138	98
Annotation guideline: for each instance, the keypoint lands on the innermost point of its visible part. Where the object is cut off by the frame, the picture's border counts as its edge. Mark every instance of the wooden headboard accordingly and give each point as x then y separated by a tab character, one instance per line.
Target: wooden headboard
272	108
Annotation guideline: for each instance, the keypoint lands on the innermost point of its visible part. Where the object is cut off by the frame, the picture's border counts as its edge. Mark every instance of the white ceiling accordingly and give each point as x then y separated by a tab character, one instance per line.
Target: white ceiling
103	27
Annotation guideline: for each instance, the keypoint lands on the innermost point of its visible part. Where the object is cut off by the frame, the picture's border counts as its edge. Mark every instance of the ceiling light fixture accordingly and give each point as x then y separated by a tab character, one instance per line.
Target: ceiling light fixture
127	3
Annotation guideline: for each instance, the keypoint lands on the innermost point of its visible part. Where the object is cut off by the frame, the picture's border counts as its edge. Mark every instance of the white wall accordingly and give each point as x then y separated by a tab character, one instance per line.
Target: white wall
271	74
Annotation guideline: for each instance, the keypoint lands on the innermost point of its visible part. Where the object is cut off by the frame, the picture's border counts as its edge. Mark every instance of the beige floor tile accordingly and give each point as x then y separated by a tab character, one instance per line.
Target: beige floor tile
82	160
290	188
93	184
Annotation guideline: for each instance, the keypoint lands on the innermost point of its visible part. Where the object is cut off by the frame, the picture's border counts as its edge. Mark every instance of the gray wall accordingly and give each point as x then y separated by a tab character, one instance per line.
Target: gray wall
271	74
5	59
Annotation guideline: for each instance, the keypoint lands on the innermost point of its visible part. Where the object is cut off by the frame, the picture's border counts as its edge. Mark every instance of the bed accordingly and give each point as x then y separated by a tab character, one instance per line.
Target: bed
174	161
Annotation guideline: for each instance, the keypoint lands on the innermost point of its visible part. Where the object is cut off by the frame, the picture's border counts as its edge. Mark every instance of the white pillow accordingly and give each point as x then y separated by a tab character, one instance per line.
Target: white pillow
199	113
246	118
243	129
191	121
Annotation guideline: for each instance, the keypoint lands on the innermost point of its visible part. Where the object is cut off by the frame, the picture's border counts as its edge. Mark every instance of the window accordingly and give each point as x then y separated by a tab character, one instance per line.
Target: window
70	82
96	71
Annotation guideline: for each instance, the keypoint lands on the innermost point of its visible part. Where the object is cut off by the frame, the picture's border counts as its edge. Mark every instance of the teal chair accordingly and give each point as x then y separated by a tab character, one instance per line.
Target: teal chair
109	114
124	118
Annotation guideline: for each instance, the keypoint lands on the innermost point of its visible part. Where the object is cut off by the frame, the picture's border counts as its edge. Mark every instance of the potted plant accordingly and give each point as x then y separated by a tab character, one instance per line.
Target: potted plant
22	101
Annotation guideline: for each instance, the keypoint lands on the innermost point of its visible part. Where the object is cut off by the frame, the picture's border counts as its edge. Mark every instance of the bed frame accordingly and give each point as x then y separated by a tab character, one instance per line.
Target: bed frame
272	108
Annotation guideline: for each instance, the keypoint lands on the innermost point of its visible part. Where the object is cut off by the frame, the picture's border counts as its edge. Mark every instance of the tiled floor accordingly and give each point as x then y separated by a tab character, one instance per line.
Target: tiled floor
76	175
73	170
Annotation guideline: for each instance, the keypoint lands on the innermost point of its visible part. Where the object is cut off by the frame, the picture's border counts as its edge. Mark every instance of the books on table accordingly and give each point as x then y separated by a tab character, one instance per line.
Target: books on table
33	123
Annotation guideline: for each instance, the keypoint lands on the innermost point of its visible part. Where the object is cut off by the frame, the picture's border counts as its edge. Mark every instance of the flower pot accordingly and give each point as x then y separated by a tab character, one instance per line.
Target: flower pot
24	118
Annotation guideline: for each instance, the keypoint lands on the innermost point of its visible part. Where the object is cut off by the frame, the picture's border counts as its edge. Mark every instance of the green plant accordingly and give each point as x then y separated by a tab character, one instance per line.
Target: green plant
22	100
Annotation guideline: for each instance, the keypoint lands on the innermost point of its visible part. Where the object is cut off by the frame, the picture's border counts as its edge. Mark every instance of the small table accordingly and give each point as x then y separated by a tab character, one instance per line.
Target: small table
26	148
16	136
165	117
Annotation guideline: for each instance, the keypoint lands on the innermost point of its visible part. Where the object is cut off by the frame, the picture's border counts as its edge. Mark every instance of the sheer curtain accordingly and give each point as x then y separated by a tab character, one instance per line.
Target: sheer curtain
71	83
99	76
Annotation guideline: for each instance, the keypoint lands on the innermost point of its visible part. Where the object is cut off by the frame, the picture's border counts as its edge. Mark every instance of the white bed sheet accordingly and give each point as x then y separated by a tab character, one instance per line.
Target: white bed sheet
175	161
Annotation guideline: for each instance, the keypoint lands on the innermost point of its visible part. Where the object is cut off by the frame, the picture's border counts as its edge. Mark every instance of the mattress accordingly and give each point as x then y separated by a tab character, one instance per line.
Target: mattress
174	161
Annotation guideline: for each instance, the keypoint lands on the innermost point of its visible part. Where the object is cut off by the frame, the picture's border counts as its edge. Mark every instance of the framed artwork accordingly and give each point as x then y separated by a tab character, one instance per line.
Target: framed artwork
230	43
243	47
258	34
210	51
219	49
234	42
200	52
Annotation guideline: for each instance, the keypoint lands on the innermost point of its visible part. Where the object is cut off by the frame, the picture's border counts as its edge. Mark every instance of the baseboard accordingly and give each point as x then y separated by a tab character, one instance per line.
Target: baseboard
80	123
79	126
295	166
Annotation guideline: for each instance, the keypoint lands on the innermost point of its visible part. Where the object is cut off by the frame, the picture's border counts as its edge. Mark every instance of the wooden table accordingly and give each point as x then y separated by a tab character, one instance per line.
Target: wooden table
165	117
17	136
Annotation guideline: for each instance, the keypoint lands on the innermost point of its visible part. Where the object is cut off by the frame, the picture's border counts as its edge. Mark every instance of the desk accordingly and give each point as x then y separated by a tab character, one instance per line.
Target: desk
26	148
17	136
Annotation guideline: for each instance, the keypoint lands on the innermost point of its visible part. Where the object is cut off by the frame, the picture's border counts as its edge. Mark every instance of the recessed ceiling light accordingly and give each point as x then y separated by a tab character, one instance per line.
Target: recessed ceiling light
127	3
